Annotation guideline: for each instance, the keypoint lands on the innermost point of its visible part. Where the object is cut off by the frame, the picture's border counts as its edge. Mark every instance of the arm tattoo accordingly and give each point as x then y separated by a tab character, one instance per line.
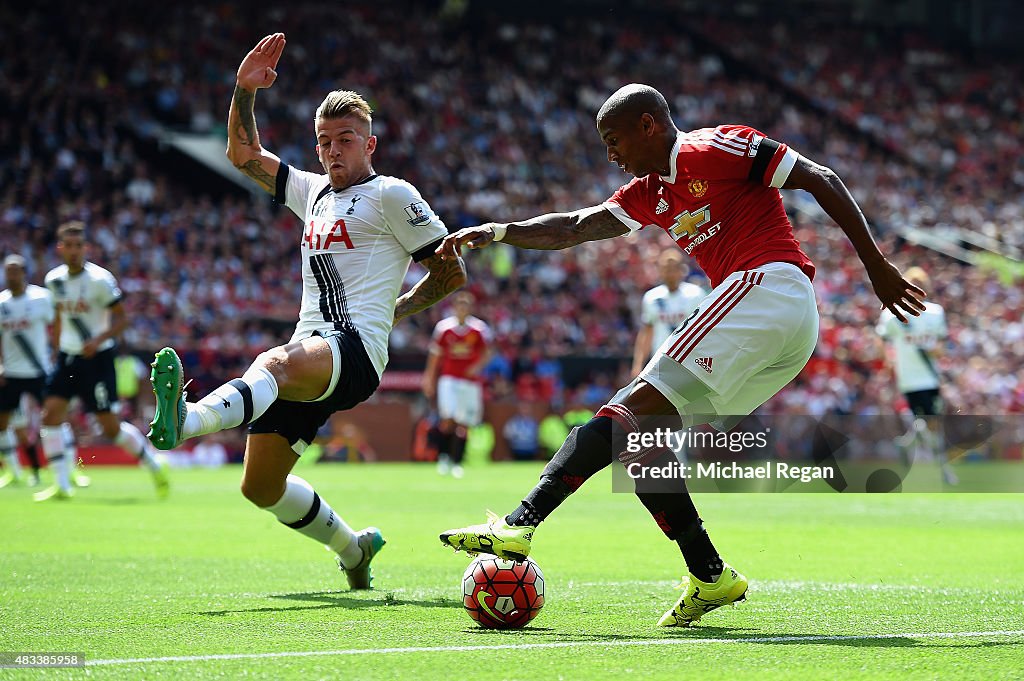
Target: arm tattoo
254	169
244	149
245	129
443	277
562	230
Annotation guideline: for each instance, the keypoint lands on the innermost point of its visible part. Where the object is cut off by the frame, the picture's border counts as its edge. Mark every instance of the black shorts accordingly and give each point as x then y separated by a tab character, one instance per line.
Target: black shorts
357	380
92	379
13	388
924	402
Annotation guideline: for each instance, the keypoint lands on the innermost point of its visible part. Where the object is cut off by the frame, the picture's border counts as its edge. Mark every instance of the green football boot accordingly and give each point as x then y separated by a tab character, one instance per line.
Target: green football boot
167	378
700	598
495	537
371	541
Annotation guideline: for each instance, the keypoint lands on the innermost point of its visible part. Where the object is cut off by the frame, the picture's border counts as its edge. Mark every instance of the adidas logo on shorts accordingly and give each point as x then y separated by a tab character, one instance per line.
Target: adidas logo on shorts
662	207
704	363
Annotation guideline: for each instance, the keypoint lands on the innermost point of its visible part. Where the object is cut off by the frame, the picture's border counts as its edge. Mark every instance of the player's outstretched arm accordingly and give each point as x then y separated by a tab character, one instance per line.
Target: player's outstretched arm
552	231
256	71
895	293
444	276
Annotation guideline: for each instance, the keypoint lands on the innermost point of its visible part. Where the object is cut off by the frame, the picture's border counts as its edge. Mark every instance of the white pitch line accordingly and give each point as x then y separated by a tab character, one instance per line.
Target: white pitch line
554	644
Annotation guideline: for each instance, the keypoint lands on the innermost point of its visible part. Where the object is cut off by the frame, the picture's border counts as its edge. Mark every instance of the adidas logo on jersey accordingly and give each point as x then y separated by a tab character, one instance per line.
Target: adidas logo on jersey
662	207
704	363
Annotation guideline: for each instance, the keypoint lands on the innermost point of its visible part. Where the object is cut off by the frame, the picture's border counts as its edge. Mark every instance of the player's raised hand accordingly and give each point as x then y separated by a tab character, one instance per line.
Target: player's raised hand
894	291
470	237
258	69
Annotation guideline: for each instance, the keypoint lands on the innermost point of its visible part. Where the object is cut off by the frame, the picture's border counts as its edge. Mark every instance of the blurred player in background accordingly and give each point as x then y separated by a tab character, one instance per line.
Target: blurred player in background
715	191
459	350
360	232
665	306
915	348
26	312
90	316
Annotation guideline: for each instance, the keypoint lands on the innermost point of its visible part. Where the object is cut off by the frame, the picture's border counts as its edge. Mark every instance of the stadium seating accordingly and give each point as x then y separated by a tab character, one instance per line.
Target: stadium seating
214	272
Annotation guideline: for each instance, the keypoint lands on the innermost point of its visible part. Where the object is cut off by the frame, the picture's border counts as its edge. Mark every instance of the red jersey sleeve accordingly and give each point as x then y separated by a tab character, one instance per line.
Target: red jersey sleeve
737	152
631	203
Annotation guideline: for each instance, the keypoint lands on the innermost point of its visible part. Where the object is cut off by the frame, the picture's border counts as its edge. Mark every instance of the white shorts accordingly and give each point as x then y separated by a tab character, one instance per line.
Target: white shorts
460	400
745	341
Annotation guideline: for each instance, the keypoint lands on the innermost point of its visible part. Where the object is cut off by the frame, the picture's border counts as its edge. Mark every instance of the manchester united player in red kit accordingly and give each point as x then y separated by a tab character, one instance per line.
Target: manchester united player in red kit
459	349
715	191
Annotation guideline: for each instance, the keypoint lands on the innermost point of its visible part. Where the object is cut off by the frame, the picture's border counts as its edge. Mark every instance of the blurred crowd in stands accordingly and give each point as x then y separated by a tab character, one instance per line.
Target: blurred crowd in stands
495	120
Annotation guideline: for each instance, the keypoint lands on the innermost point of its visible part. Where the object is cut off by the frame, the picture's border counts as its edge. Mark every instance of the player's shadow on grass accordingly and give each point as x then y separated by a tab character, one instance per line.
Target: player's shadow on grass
530	630
972	644
704	631
853	642
338	599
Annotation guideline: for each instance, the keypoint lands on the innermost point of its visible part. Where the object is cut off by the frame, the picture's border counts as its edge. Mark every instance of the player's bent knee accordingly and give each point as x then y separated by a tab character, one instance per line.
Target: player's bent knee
260	493
274	360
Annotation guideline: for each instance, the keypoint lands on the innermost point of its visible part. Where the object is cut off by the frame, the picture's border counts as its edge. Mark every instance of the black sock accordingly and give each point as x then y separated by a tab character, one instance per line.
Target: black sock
585	452
702	559
457	445
672	508
525	515
445	447
33	457
435	440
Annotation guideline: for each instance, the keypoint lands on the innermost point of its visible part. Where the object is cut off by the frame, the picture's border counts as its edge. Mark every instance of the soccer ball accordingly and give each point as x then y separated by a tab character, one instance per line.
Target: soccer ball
502	594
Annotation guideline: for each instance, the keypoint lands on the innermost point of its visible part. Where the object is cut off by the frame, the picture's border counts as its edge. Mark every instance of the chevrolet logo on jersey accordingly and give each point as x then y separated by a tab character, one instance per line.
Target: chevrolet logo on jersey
688	223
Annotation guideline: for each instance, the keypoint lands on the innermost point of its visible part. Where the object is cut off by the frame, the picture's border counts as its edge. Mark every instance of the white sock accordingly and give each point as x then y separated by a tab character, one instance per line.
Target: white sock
70	448
302	509
131	440
52	439
9	453
235	403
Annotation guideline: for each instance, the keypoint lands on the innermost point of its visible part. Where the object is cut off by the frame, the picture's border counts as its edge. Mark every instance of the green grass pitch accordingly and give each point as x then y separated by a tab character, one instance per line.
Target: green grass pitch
842	586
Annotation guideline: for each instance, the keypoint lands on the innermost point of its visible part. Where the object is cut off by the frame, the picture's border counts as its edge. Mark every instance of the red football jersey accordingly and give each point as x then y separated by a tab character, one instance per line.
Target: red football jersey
721	204
460	346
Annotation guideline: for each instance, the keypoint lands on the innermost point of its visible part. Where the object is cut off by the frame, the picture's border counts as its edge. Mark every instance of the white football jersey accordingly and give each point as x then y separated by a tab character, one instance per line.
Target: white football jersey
664	310
83	302
23	322
356	246
914	343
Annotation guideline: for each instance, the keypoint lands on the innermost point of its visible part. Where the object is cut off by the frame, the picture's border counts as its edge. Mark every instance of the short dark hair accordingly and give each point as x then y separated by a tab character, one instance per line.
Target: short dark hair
636	99
71	228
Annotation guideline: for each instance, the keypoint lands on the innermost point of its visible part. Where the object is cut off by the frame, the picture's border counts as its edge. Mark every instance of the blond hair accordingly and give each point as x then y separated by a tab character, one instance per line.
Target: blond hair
917	277
670	255
341	103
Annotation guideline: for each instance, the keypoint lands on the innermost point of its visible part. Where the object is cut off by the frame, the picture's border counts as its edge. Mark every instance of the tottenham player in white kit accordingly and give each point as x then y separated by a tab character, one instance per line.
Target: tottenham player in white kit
916	346
360	233
665	307
26	312
90	317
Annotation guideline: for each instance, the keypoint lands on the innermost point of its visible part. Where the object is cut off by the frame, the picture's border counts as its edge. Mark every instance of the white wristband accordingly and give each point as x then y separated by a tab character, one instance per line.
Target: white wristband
499	231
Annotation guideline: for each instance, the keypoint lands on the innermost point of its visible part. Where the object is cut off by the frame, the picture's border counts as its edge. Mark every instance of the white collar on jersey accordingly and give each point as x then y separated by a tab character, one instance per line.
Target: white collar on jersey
673	159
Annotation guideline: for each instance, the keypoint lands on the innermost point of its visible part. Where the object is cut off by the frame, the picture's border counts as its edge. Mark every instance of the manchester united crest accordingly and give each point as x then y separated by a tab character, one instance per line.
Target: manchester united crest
698	188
